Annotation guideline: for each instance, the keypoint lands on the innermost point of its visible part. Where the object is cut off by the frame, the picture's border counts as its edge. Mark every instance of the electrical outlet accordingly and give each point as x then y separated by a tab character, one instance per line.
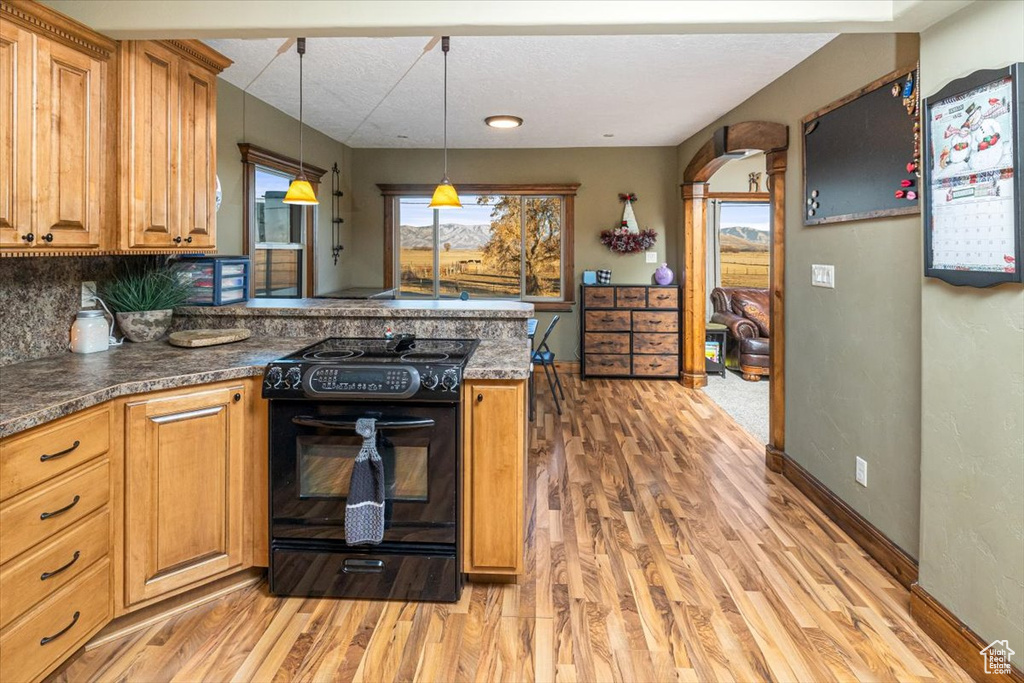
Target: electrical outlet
652	256
88	294
823	276
862	471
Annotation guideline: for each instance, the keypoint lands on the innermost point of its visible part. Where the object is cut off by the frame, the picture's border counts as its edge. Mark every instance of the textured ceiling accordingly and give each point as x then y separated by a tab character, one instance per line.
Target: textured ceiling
571	90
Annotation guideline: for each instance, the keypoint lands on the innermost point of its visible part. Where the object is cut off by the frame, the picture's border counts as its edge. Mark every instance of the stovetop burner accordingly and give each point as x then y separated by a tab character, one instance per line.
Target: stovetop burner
415	357
341	354
373	351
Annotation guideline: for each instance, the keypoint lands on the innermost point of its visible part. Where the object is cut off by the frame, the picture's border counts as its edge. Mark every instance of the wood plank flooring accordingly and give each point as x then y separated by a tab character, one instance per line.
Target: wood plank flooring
659	549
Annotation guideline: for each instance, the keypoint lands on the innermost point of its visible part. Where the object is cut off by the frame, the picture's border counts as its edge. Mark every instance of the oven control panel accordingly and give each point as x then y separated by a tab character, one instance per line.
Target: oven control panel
395	381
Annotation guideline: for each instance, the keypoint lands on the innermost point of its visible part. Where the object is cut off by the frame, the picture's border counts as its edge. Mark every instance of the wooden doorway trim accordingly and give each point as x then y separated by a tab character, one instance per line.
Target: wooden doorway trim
725	144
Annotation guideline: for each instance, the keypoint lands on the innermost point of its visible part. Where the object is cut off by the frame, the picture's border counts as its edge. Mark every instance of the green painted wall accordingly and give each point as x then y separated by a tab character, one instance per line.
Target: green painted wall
972	390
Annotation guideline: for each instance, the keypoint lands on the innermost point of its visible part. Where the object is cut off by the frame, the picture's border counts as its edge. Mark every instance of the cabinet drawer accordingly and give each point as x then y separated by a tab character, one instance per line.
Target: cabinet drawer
37	574
34	458
606	342
52	631
663	297
610	321
631	297
599	297
656	366
607	364
32	519
655	321
655	342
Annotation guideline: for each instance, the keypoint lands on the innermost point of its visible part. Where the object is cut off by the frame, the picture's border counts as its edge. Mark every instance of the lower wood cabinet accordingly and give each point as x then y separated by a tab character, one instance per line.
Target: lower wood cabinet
494	464
186	515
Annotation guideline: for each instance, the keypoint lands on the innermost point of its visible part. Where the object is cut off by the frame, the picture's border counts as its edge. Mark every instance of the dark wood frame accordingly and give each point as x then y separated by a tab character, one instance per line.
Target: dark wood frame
253	156
962	278
632	334
914	208
567	191
725	144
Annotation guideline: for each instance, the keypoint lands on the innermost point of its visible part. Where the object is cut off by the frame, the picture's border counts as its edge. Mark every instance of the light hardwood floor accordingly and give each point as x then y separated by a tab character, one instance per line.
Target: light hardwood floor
659	549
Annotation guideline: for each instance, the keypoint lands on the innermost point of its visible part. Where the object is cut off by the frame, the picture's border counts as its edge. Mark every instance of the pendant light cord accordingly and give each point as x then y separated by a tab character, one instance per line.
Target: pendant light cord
444	49
301	46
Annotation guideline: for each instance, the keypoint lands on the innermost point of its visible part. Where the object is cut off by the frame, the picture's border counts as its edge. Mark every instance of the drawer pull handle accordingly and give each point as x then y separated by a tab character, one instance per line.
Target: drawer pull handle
73	503
54	456
48	575
663	297
58	634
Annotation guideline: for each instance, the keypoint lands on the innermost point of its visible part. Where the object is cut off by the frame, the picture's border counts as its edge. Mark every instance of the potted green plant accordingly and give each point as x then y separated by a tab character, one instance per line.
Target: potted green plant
143	301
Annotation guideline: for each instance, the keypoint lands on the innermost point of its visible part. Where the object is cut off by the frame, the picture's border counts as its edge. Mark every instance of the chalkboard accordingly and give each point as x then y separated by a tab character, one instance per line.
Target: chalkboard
857	151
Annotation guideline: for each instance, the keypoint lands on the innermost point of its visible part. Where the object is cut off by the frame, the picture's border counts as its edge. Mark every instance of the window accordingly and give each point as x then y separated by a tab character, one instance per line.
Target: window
741	238
280	238
507	242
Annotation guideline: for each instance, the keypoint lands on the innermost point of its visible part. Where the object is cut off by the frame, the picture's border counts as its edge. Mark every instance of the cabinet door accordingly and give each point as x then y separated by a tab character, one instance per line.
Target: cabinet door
185	480
15	134
198	155
494	462
151	164
70	143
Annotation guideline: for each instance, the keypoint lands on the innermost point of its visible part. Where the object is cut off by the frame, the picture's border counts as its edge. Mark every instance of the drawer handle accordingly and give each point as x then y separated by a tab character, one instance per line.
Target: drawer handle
58	634
48	575
47	515
663	297
363	567
54	456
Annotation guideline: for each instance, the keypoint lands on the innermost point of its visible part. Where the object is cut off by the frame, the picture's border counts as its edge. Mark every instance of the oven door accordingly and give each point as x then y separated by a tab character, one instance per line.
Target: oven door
313	446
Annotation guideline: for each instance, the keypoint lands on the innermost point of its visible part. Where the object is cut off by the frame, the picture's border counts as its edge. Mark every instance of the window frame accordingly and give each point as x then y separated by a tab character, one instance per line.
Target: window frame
392	193
253	156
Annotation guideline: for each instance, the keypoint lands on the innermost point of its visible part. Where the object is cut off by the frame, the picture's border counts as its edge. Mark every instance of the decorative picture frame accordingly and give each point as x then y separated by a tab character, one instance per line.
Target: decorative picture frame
972	163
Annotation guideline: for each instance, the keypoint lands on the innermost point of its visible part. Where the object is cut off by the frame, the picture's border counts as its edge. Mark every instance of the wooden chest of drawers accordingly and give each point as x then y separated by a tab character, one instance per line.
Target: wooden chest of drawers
630	331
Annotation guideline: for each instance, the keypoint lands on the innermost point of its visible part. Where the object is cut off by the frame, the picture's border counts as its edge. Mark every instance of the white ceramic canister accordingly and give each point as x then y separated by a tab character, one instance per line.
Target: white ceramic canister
90	332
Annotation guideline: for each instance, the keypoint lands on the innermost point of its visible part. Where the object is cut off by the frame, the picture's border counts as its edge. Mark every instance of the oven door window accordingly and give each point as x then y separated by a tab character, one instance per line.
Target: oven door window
325	466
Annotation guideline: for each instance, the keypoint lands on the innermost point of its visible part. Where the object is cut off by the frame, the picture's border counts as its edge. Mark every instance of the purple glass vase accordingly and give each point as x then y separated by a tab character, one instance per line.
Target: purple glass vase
664	275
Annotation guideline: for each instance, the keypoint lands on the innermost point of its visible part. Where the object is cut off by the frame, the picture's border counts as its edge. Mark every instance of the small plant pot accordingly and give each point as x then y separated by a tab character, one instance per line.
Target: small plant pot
145	326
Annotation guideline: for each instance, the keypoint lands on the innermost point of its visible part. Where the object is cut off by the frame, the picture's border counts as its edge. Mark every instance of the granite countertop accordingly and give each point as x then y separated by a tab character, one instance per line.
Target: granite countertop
38	391
367	308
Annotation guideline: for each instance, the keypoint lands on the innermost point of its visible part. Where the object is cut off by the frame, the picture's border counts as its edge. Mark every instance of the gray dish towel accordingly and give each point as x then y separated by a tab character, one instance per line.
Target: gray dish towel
364	510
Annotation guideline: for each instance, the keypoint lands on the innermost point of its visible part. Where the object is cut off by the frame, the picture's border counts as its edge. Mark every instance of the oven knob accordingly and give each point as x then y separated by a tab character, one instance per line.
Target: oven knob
293	380
429	380
450	380
273	379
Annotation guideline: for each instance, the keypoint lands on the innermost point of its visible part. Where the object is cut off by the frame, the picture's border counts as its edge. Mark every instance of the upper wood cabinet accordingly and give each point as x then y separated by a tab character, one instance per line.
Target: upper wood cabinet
186	515
169	144
52	129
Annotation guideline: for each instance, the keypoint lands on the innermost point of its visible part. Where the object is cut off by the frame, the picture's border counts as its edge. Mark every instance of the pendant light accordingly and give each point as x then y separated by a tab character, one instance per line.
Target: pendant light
445	196
300	191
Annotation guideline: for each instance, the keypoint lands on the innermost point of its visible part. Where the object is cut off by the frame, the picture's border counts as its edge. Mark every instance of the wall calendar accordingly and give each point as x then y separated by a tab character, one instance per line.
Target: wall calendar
972	172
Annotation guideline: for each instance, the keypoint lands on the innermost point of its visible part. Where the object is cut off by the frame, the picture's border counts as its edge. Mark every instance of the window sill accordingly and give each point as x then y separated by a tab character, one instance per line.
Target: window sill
555	306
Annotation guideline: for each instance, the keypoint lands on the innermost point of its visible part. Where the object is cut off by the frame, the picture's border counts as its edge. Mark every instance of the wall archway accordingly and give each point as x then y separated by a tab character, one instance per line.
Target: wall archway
725	144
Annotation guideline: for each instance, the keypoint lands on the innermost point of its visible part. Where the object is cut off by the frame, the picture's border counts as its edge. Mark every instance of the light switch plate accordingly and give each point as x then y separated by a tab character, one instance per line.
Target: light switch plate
862	471
823	276
652	256
88	294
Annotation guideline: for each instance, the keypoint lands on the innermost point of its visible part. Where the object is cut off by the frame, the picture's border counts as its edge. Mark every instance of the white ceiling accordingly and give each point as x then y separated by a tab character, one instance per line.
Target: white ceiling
570	90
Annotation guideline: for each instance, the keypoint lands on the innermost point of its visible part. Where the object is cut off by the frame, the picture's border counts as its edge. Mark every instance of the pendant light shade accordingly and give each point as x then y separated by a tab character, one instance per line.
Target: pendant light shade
300	191
445	195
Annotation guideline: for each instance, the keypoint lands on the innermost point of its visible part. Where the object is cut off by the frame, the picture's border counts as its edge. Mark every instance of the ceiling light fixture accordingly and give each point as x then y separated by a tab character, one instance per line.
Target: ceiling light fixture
445	195
609	135
503	121
300	191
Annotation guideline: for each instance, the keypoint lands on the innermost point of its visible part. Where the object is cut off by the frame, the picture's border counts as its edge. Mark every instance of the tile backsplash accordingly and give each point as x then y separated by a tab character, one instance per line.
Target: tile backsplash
39	297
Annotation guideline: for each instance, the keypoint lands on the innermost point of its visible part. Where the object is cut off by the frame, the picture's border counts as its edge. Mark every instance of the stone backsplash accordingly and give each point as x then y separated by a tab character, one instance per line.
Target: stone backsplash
39	297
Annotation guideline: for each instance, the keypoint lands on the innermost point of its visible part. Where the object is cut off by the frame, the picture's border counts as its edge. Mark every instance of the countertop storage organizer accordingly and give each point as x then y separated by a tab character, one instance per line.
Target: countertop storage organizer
216	280
630	331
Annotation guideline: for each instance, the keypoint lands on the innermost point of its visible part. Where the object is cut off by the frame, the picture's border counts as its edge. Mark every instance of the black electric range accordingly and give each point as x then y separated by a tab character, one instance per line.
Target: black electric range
411	387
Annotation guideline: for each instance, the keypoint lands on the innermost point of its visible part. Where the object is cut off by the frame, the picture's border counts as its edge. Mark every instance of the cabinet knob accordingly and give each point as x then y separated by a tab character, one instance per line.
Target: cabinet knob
237	397
30	237
48	237
188	239
177	240
479	398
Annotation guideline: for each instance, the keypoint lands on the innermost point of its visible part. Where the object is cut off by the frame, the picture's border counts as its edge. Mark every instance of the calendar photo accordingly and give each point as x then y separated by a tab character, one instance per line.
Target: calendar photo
972	172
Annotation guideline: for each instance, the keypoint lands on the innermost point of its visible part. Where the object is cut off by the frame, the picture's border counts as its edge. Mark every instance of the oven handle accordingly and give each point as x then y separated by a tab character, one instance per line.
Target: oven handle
390	423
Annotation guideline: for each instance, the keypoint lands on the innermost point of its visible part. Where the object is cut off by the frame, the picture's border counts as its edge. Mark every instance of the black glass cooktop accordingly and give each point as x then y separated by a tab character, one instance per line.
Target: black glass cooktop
401	349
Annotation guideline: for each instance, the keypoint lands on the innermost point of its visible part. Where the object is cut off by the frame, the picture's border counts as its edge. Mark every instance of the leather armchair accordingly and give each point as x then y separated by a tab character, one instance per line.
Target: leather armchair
744	311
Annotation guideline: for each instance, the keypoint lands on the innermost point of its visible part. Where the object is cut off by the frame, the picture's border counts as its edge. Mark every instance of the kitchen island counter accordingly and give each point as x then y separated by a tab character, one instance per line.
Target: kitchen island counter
38	391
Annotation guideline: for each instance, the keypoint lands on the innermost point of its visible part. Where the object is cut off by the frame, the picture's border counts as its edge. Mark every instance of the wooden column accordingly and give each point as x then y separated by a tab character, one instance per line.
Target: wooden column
776	169
694	281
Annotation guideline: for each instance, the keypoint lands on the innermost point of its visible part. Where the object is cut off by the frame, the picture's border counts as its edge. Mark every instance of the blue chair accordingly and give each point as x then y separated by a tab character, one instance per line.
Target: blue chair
545	357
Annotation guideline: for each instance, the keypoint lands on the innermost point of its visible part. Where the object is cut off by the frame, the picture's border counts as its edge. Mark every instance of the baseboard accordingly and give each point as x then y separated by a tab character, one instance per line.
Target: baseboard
893	559
954	636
